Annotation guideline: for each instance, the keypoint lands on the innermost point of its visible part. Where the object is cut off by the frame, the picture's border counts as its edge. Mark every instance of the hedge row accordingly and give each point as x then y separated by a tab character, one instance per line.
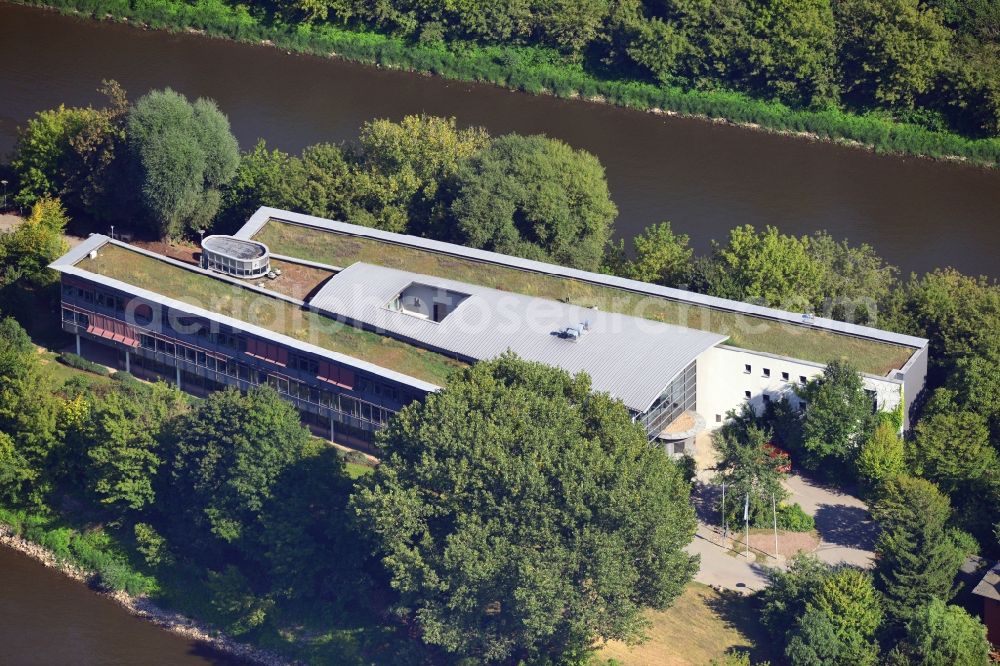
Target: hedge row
533	70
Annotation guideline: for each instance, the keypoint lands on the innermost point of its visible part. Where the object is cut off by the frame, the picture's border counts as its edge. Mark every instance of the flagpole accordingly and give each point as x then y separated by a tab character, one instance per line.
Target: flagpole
774	512
746	517
725	523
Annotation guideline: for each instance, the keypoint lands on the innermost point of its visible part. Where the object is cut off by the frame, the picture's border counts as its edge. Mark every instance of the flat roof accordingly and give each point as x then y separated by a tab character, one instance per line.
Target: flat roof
752	327
195	291
633	359
234	248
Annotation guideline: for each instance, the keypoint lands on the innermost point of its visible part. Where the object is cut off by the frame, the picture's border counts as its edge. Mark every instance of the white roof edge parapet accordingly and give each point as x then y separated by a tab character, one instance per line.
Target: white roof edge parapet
66	264
264	213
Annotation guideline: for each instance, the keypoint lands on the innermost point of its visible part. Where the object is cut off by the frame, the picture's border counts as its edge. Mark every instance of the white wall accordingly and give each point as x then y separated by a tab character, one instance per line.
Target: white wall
723	381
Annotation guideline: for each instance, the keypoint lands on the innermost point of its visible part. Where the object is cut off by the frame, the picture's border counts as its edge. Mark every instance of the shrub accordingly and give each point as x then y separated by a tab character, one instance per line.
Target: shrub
80	363
791	517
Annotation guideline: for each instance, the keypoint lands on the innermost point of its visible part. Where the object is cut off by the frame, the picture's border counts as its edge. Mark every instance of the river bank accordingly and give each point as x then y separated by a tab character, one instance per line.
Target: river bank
536	70
141	607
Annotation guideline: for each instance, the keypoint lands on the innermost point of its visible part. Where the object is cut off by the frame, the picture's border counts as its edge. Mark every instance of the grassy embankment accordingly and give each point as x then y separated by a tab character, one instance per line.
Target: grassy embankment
534	70
743	331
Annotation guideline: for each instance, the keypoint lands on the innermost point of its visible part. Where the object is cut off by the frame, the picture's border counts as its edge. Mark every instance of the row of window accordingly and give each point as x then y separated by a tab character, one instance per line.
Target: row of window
766	397
350	406
236	266
766	373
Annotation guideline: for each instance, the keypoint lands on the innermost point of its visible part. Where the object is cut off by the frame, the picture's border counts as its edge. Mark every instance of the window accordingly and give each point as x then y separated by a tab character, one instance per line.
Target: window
767	398
746	394
802	405
802	379
784	376
767	372
718	418
747	369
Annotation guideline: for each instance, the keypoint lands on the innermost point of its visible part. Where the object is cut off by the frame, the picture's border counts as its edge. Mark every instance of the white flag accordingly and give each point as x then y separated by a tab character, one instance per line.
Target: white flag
746	508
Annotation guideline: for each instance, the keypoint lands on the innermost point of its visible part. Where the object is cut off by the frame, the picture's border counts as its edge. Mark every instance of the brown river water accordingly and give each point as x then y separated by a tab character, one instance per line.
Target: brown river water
49	619
703	177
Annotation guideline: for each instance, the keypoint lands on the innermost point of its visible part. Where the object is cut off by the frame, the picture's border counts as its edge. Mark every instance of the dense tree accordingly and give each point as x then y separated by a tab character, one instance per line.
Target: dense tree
855	282
307	520
839	417
793	53
227	455
823	614
891	51
28	417
70	153
957	313
660	257
882	456
182	154
918	556
520	516
124	455
951	447
765	267
749	468
400	168
943	635
535	197
26	251
816	641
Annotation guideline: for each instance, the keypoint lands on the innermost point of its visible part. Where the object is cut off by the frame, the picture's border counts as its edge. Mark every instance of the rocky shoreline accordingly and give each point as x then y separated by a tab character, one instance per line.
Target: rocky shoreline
145	609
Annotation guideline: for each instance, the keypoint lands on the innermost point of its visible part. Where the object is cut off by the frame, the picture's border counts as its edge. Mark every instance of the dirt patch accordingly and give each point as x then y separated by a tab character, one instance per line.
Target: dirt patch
296	280
789	543
8	221
189	253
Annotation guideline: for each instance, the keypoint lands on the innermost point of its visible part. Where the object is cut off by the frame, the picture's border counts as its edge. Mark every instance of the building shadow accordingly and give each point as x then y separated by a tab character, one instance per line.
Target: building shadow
847	526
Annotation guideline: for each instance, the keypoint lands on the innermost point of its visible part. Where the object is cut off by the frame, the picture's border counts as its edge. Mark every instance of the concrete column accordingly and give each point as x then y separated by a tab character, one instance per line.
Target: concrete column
78	345
333	430
178	369
128	366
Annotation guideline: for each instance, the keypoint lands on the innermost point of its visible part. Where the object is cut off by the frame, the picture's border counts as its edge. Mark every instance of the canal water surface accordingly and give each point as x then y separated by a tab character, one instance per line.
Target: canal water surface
705	178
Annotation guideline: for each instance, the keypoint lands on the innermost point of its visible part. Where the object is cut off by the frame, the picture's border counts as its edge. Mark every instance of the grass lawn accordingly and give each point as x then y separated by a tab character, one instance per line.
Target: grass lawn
274	314
702	625
744	331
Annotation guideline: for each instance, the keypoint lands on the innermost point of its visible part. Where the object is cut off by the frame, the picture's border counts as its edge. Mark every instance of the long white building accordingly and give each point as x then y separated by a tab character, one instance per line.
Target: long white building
352	323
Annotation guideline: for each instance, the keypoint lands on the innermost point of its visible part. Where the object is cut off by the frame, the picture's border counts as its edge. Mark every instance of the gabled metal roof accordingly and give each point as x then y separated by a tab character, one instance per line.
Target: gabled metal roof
633	359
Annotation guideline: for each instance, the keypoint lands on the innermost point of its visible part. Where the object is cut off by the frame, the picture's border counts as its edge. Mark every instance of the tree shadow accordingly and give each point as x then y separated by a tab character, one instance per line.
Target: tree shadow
848	526
742	612
705	497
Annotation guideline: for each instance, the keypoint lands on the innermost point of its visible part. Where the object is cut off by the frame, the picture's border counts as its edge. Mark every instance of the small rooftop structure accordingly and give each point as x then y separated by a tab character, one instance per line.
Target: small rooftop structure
989	586
235	256
633	359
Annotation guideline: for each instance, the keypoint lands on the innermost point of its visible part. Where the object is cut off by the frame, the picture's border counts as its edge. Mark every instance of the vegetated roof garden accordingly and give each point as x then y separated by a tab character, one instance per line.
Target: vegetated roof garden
275	314
745	331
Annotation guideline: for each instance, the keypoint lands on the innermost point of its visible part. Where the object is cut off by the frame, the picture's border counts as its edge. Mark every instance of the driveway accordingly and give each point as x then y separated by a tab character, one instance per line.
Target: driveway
847	534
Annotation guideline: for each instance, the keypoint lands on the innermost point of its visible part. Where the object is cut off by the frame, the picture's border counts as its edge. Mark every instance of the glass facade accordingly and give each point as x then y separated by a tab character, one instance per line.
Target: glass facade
679	396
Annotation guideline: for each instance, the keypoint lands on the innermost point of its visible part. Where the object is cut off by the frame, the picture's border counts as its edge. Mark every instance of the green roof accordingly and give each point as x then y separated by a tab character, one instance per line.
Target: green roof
275	314
744	331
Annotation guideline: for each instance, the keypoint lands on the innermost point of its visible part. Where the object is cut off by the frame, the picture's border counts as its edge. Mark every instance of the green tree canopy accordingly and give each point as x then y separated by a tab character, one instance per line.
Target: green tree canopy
882	456
943	635
124	455
765	267
917	554
521	516
226	456
891	50
29	248
536	197
660	257
839	418
182	154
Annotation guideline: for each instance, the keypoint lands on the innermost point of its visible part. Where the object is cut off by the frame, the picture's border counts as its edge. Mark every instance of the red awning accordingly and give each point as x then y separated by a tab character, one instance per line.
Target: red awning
112	329
335	374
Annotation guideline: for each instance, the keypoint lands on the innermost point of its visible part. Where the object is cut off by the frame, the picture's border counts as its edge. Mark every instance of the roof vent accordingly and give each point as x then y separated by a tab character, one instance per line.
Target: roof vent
574	333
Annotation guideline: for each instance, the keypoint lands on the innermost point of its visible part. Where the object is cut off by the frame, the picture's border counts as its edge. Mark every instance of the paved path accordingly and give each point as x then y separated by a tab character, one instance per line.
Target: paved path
847	534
